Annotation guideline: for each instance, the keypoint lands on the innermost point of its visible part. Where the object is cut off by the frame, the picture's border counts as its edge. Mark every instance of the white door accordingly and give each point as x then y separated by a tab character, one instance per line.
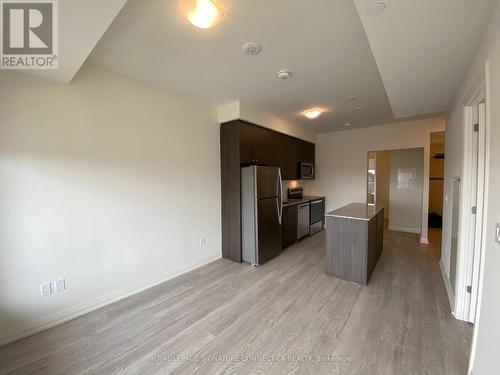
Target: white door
477	179
472	210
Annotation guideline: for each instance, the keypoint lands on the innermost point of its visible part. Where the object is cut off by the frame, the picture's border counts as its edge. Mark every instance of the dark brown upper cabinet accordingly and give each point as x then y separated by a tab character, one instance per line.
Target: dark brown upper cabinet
247	144
261	146
307	152
288	159
257	145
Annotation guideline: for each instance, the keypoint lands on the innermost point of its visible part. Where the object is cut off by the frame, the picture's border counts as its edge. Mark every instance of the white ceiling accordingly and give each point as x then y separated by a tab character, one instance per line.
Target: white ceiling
423	49
321	42
81	25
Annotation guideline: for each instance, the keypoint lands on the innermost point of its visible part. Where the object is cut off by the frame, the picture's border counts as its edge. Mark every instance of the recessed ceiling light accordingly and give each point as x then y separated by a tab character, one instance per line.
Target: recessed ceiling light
347	124
203	14
312	113
358	109
284	74
252	49
376	9
351	98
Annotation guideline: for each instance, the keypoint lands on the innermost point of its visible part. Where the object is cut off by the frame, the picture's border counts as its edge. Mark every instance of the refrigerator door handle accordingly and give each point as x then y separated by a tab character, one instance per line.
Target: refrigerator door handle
279	208
280	195
280	184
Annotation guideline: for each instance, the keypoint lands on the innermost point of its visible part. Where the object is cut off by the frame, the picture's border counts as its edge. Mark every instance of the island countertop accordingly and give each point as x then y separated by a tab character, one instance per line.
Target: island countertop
356	211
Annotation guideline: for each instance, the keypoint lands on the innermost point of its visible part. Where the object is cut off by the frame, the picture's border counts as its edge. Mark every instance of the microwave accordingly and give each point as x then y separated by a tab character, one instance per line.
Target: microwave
307	171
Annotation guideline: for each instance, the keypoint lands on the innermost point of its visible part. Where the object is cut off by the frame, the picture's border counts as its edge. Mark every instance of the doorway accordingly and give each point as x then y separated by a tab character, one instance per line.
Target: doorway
436	189
395	181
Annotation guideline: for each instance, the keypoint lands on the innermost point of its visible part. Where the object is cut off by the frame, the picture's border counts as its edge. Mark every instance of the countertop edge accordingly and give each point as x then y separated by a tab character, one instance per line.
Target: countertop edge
376	211
306	199
350	217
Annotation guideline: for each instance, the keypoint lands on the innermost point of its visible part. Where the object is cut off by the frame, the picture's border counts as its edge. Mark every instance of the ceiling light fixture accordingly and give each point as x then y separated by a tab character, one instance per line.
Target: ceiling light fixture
358	109
203	14
351	98
347	124
252	49
284	74
312	113
376	9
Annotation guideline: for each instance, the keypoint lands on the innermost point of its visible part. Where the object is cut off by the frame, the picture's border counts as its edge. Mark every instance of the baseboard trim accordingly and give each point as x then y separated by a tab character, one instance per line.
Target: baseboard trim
449	289
95	304
404	229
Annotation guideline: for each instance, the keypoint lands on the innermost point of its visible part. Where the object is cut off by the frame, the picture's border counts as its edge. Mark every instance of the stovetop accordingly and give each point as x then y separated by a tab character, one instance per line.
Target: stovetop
295	193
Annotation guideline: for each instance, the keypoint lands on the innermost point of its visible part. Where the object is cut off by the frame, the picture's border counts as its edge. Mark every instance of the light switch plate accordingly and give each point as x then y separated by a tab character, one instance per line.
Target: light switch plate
45	289
497	233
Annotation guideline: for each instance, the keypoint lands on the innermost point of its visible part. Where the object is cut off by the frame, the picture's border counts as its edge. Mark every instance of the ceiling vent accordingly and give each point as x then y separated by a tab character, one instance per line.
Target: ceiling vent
252	49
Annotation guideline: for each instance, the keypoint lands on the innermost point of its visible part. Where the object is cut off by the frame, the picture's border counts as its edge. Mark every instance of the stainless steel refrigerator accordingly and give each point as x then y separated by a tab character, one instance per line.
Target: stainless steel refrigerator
262	210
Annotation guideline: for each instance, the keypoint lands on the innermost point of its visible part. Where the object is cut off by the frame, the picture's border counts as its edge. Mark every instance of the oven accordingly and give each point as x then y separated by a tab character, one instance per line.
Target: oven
316	214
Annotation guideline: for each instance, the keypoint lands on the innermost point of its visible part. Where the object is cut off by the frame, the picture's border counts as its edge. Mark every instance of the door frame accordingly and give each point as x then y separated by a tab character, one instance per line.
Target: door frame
487	85
470	234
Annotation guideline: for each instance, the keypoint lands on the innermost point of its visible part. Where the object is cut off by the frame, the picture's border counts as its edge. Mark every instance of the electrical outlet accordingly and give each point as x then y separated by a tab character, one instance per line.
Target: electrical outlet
60	285
497	233
202	241
45	289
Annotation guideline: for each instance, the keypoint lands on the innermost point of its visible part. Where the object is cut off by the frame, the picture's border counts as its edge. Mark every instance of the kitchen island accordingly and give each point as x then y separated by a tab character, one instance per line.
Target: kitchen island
354	241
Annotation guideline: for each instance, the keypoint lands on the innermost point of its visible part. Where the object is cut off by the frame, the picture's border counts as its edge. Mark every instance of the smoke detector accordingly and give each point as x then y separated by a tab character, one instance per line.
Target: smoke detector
376	9
284	74
252	49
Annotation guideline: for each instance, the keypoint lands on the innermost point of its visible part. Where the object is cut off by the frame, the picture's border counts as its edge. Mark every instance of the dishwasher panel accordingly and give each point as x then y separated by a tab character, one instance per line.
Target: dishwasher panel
303	221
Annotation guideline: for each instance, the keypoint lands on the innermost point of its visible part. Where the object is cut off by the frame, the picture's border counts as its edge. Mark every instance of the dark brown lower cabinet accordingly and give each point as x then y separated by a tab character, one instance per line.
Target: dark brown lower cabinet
230	189
289	226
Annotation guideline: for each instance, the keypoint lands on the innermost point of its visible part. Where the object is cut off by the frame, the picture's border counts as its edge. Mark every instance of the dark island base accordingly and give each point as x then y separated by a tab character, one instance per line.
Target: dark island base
354	244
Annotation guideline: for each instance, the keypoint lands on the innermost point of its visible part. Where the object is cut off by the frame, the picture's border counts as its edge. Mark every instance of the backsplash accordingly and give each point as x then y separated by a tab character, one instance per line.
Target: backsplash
307	185
287	184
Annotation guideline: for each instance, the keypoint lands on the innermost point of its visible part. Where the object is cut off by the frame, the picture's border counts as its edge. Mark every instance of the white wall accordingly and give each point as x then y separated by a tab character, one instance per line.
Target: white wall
406	204
341	159
486	349
488	339
239	110
106	182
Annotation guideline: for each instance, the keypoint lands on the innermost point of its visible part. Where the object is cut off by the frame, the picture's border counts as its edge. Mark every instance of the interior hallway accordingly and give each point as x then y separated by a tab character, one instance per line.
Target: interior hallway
399	324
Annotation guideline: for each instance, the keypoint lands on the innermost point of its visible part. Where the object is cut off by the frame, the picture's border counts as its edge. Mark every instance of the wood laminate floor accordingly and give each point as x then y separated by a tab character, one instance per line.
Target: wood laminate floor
285	317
